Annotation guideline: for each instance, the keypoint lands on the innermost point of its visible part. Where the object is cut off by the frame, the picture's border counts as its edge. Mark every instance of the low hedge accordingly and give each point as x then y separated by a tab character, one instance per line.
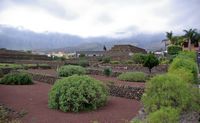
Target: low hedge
16	79
115	62
184	74
133	76
188	64
187	54
69	70
164	115
107	71
77	93
167	91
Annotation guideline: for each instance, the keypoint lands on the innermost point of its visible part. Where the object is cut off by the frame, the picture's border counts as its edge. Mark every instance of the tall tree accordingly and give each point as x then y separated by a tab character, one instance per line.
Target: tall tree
169	36
190	35
150	61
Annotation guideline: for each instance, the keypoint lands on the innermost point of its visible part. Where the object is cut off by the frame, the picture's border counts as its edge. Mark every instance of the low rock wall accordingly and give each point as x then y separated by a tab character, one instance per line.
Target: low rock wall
126	91
44	78
114	90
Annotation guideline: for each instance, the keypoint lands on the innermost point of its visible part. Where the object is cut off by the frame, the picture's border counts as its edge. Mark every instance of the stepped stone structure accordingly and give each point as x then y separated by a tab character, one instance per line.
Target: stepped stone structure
123	52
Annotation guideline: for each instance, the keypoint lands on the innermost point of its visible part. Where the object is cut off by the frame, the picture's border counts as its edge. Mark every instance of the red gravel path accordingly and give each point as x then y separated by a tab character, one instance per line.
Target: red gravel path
52	72
33	99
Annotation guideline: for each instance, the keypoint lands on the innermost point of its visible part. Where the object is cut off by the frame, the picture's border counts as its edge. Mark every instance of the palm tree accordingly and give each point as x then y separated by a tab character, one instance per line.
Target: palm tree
169	36
190	35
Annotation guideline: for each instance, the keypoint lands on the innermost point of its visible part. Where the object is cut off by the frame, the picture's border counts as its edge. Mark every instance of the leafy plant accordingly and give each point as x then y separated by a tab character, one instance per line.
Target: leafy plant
107	71
187	64
138	58
115	62
69	70
167	91
83	63
187	55
133	76
77	93
106	59
164	115
174	49
150	61
184	74
16	79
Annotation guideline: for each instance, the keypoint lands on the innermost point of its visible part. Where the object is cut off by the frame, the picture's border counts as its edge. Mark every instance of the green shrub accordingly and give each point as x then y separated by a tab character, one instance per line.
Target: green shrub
164	115
115	62
173	49
133	76
187	64
16	79
77	93
150	61
138	58
188	54
184	74
167	91
69	70
107	71
129	62
83	63
106	59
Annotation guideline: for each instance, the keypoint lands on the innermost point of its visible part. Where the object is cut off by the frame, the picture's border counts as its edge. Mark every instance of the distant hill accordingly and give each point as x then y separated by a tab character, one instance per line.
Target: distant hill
21	39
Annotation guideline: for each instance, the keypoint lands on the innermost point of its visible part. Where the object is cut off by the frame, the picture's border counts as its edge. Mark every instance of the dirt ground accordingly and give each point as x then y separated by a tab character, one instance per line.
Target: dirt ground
33	100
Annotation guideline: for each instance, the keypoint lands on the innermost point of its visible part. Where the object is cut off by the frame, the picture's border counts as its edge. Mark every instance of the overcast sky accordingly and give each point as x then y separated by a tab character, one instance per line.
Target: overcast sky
101	17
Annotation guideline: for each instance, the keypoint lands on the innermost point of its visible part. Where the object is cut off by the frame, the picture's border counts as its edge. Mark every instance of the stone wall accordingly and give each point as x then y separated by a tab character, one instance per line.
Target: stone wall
125	91
135	68
44	78
6	70
96	71
114	90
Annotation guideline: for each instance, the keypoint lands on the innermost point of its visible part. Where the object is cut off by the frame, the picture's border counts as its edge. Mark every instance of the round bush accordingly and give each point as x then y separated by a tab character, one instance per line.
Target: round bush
69	70
167	91
133	76
77	93
107	71
187	64
173	49
184	74
138	58
164	115
16	79
83	63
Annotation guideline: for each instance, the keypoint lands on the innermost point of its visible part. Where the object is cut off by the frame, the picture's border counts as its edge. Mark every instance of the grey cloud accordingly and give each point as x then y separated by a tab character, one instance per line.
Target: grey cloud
53	8
185	13
104	18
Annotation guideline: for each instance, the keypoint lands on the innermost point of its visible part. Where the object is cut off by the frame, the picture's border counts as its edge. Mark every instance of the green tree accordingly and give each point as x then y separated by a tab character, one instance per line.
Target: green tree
150	61
169	36
190	36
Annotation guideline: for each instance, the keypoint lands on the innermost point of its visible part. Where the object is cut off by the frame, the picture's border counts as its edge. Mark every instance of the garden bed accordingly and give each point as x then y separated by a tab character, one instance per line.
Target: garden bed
33	99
